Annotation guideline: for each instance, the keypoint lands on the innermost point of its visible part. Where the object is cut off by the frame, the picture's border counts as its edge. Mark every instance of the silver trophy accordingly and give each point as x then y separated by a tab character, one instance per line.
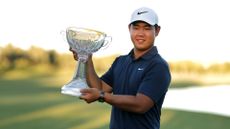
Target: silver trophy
84	42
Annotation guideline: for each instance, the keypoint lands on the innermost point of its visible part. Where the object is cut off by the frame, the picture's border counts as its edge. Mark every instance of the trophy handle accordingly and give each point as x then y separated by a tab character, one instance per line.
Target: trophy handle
63	33
108	39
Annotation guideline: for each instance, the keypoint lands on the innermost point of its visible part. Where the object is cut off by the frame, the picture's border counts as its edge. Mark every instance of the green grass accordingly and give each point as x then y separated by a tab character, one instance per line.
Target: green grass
35	102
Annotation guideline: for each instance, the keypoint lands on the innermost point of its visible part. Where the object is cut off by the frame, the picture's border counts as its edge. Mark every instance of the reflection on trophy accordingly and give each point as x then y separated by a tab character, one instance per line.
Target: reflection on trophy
84	42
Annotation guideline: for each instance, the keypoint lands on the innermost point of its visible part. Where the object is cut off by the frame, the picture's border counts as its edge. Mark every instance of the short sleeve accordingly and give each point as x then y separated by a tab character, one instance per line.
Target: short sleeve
108	77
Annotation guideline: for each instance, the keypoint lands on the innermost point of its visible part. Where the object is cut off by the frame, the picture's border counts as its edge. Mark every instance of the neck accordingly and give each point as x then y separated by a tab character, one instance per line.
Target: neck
138	53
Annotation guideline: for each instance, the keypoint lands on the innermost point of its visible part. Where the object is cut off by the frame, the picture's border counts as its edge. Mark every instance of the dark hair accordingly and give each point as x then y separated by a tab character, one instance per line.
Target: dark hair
156	25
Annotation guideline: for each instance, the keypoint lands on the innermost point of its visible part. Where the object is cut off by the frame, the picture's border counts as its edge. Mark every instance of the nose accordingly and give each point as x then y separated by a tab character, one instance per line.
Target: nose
141	32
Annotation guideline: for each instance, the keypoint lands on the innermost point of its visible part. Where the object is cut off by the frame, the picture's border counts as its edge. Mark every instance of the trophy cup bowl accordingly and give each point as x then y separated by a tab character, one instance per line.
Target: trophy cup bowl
84	42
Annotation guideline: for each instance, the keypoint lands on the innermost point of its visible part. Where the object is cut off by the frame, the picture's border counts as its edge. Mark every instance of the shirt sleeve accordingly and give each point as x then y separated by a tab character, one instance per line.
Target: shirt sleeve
108	76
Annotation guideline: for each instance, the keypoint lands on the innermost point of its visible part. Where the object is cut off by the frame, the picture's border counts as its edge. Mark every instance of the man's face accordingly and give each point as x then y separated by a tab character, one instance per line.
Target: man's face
142	35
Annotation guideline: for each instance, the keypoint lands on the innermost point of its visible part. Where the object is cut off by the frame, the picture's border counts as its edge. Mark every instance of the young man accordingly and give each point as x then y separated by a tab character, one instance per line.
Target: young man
136	83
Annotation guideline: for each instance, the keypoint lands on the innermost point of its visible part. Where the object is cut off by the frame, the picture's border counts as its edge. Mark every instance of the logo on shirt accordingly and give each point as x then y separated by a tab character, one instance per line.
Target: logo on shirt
140	69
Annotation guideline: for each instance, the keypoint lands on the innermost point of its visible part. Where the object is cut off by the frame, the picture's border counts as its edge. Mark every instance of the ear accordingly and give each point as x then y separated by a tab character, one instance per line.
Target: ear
157	30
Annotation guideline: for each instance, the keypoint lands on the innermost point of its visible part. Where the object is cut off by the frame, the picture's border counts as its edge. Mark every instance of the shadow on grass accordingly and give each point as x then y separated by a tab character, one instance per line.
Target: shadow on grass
31	103
28	87
22	96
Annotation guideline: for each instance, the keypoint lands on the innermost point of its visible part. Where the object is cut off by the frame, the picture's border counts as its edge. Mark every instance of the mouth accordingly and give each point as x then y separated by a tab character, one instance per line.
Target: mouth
140	40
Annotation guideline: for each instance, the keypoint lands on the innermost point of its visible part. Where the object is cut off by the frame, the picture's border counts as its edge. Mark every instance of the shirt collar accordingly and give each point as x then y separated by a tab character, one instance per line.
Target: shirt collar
148	55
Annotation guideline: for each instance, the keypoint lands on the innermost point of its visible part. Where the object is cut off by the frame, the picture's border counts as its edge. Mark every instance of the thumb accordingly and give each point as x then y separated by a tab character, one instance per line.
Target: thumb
85	90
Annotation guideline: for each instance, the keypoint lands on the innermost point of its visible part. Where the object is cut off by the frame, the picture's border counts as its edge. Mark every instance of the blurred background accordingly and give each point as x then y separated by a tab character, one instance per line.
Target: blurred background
35	61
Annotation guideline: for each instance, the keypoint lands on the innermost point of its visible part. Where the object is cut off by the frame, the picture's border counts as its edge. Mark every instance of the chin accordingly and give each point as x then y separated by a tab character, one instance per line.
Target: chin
143	48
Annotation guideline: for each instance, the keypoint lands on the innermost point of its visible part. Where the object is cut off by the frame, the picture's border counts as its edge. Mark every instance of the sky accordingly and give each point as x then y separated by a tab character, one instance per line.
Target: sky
190	29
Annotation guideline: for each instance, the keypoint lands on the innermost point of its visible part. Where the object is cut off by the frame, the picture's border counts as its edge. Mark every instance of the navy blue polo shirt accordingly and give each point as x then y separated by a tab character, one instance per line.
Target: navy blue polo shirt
149	75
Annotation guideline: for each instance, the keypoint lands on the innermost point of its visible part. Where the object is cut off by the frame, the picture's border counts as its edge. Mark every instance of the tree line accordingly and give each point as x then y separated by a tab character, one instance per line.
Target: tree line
12	57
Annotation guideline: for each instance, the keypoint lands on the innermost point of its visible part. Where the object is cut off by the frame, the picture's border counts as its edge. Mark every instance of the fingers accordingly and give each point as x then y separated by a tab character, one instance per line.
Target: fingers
74	53
85	90
85	95
89	94
72	50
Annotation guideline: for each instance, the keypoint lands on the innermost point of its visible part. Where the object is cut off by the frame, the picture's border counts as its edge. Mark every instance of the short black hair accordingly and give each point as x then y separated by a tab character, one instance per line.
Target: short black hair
155	26
133	23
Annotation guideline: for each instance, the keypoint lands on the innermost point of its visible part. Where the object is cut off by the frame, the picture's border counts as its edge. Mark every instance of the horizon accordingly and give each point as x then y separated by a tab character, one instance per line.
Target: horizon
96	55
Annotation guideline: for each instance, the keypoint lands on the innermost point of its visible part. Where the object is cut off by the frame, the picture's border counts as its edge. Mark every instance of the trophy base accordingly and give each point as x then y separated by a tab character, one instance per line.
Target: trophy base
73	88
71	91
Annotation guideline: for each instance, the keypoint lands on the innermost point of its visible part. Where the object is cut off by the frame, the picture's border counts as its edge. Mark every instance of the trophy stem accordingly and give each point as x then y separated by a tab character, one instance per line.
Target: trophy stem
80	71
78	82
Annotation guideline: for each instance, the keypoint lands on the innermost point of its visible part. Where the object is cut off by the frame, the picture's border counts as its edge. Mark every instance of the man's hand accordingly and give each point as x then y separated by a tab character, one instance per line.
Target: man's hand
90	94
74	54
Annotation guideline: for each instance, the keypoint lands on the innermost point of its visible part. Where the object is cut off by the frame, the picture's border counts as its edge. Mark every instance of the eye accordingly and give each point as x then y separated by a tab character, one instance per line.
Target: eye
135	27
148	28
